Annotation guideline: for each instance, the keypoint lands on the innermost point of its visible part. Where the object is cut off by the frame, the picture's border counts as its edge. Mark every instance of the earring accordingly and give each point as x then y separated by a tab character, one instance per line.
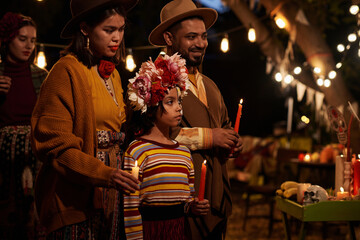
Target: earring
88	44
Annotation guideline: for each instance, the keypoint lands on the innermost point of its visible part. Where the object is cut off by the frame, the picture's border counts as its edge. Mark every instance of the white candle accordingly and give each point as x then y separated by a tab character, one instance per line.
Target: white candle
135	170
339	173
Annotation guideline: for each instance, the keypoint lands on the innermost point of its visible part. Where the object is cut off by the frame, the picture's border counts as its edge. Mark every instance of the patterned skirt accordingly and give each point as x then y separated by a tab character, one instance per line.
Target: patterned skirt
18	168
109	223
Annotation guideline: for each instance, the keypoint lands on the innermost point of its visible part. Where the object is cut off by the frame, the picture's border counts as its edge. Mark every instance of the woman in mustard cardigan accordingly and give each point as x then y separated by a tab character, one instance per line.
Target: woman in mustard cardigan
77	124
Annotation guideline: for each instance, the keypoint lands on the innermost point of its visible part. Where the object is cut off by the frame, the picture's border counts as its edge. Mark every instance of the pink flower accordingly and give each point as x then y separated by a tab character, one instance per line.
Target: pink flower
143	85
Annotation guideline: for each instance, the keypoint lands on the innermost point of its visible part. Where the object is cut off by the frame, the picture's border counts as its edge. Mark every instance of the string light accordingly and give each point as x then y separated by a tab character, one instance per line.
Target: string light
327	83
278	77
297	70
41	59
332	74
305	119
252	34
352	37
317	70
280	22
224	46
320	82
130	63
354	9
340	47
338	65
288	78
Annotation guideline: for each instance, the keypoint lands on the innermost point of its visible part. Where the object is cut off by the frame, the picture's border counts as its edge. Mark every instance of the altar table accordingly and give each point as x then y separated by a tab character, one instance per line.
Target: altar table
327	211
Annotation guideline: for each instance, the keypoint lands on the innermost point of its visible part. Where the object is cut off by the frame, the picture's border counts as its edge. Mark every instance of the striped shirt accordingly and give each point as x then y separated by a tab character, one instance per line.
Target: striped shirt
166	178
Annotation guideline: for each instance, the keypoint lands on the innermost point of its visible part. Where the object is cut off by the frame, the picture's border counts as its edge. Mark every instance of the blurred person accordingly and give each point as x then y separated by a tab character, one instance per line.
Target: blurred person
20	82
205	127
77	124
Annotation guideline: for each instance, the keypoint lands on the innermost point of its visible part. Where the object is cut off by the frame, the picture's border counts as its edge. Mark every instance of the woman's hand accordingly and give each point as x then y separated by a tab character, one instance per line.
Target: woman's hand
200	207
123	180
5	84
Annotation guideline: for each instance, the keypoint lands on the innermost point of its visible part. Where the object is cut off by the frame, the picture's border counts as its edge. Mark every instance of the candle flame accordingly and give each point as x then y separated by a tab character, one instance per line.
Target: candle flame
241	101
136	163
342	189
204	161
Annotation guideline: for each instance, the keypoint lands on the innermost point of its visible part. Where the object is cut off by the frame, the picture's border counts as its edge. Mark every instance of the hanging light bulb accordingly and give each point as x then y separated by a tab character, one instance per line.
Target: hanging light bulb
359	52
297	70
278	77
354	9
224	46
288	78
340	47
352	37
327	83
130	63
332	74
41	59
317	70
280	22
320	82
252	34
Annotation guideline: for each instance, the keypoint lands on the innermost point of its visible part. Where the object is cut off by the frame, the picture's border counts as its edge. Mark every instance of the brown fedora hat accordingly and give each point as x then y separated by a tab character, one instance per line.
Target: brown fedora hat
82	8
175	11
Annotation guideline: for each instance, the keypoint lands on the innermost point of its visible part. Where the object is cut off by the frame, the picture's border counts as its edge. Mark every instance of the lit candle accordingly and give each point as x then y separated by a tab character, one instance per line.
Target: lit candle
341	195
202	181
307	158
238	116
356	182
135	170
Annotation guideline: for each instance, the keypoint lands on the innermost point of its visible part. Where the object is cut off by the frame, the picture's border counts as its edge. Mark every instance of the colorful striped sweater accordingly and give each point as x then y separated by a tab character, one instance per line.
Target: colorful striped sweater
166	178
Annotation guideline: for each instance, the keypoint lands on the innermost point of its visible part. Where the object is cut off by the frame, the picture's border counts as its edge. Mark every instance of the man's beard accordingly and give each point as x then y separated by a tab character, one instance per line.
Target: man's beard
193	63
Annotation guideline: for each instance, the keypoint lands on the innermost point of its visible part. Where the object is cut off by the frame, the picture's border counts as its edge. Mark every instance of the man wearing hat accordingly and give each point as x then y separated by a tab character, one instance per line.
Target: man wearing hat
205	127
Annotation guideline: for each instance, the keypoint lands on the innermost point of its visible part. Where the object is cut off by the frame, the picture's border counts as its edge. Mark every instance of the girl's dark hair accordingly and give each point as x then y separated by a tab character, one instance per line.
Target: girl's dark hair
139	124
78	43
26	21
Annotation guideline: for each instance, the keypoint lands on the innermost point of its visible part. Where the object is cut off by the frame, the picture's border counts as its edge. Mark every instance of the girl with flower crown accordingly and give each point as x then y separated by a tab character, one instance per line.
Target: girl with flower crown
77	127
166	195
20	82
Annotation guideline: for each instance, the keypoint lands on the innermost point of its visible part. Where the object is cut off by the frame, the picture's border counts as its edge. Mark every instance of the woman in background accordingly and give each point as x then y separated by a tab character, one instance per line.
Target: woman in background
77	126
20	82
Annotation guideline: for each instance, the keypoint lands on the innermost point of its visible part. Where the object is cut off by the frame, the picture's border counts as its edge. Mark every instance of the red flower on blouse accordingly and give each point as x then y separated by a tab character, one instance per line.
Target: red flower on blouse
106	68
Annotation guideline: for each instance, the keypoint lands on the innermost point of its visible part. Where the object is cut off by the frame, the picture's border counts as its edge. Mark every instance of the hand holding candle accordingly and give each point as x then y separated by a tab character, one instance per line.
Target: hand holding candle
202	181
135	170
238	116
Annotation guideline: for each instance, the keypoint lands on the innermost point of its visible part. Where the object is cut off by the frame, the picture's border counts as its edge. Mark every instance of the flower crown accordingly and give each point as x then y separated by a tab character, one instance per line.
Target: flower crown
155	79
10	25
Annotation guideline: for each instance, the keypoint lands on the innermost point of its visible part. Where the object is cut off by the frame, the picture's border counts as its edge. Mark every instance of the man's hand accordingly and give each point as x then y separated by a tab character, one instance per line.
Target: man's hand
123	180
237	149
5	84
225	138
200	207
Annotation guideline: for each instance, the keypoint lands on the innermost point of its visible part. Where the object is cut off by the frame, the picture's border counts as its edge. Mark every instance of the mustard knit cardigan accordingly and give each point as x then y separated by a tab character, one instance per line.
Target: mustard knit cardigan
63	138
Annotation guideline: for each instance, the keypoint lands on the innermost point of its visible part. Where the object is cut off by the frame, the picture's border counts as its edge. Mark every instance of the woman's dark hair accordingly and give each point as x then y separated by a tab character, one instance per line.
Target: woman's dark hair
139	124
78	43
26	21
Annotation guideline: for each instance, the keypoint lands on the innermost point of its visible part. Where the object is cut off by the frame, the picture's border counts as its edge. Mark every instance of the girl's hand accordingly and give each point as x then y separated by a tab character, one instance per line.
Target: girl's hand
200	207
5	83
123	180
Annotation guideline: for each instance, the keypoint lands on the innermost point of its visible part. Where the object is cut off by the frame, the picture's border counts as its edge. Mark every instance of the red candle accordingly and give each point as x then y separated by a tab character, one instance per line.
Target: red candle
356	181
202	181
238	116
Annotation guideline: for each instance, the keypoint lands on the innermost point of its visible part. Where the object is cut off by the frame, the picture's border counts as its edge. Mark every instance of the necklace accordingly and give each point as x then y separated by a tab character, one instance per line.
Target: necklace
108	88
